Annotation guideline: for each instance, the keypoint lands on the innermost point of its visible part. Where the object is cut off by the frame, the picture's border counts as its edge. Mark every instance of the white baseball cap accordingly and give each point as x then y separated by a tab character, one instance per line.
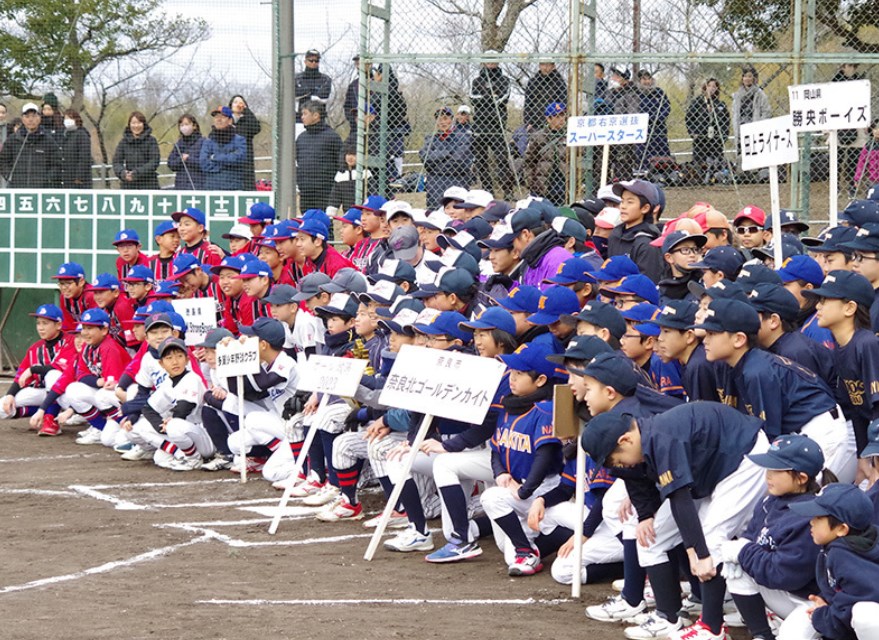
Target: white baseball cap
239	231
29	106
463	109
608	218
606	193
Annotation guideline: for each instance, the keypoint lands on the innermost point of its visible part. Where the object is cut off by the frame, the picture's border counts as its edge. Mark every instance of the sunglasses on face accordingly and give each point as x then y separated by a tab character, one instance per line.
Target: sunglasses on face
747	230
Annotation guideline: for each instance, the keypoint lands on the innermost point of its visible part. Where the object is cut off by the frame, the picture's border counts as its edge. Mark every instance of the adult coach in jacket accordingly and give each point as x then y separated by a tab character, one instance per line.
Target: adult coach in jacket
30	158
318	150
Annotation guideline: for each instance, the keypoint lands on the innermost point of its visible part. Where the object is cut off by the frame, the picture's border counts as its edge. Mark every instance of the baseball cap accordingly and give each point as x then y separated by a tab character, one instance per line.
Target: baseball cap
157	306
844	285
183	264
582	348
346	279
213	337
637	285
477	227
872	448
191	212
730	315
555	109
393	208
140	273
446	323
642	316
315	228
165	289
158	319
522	299
675	238
454	258
404	242
555	302
496	211
239	231
126	235
601	437
609	218
352	216
724	258
425	316
70	271
454	193
594	206
528	218
393	270
614	370
568	228
268	329
29	106
462	241
873	192
531	357
492	318
682	224
340	304
866	238
607	194
400	303
804	268
792	452
170	344
312	53
617	268
382	293
309	286
436	220
54	313
164	227
789	247
774	298
235	263
177	321
602	314
448	280
372	203
641	188
676	314
94	317
752	213
400	321
860	212
255	269
845	502
475	199
753	274
463	109
788	219
726	290
501	237
573	270
223	110
105	282
281	294
260	213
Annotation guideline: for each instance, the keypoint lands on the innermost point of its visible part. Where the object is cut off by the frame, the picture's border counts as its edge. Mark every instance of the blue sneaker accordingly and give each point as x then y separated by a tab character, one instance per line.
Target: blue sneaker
123	448
455	551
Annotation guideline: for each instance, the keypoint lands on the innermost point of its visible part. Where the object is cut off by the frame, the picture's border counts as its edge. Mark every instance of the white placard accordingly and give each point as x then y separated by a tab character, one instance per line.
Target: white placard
768	143
448	384
235	358
329	374
200	315
830	106
595	131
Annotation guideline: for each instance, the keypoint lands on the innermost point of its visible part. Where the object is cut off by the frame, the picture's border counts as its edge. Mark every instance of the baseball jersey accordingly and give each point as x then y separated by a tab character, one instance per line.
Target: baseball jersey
308	333
857	391
73	308
202	251
188	387
106	360
699	377
39	358
814	356
163	268
821	335
272	386
665	376
121	311
517	438
597	479
122	267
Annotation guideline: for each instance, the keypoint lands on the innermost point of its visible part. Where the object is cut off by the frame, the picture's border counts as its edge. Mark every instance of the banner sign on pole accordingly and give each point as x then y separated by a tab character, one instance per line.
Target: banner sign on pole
331	375
200	315
448	384
237	358
595	131
768	143
830	106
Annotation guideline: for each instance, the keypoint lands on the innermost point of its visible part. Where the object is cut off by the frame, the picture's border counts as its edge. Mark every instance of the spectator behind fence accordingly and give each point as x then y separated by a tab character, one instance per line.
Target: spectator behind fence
489	94
655	103
868	161
750	103
546	158
311	84
248	127
708	125
352	93
137	155
447	158
317	155
76	153
850	140
30	158
223	154
623	98
345	182
184	158
600	82
51	117
462	119
545	87
4	132
398	124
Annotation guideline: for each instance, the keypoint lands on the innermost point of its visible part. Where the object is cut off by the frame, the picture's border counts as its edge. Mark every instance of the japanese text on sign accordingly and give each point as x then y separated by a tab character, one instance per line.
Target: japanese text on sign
592	131
447	384
327	374
830	106
768	143
200	315
236	358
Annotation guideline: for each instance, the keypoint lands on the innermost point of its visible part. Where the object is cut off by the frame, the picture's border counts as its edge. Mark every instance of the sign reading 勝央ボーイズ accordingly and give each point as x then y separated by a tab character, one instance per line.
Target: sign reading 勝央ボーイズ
830	105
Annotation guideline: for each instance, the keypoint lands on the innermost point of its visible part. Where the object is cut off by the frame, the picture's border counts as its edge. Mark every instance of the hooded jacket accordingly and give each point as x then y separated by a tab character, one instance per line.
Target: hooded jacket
222	158
542	258
635	243
542	90
139	155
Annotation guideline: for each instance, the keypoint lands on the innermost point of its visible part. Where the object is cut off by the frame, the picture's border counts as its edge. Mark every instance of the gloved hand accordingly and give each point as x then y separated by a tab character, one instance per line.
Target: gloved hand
731	571
729	550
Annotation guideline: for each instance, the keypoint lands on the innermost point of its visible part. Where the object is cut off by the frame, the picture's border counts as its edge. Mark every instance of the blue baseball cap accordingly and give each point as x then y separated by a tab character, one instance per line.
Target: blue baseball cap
235	263
600	438
792	452
352	216
255	269
804	268
284	230
69	271
54	313
260	213
94	317
492	318
581	348
555	109
268	329
340	304
372	203
866	238
730	315
642	316
845	502
573	270
614	370
477	227
346	279
448	280
106	282
315	228
191	212
281	294
126	235
751	275
317	214
522	299
637	285
676	314
140	273
836	241
617	268
860	212
165	289
844	285
602	314
532	357
157	306
183	264
727	259
872	448
177	321
222	110
774	298
446	323
165	227
555	302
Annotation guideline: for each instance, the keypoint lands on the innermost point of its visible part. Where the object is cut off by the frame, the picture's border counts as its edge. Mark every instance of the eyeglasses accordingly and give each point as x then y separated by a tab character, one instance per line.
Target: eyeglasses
632	336
434	339
66	283
312	59
619	303
748	230
860	257
686	251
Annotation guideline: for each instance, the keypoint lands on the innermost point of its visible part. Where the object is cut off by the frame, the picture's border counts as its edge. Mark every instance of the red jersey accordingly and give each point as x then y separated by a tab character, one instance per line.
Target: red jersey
106	360
163	268
122	267
122	310
328	262
202	251
40	354
73	308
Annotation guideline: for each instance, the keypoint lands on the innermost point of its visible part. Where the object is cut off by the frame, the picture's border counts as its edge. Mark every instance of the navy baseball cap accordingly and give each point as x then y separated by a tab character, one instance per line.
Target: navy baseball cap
191	212
309	286
617	268
836	240
448	280
260	213
844	285
402	302
69	271
372	203
347	279
268	329
140	273
453	258
614	370
866	238
792	452
235	263
774	298
446	323
555	302
476	227
255	269
531	357
214	337
789	220
281	294
753	274
492	318
725	258
106	282
126	235
523	299
872	448
164	227
495	211
726	290
527	218
790	246
463	241
159	319
400	321
602	314
675	238
860	212
573	270
731	316
642	316
676	314
183	264
340	304
501	237
569	228
54	313
601	436
845	502
804	268
637	285
641	188
581	348
392	270
170	344
352	216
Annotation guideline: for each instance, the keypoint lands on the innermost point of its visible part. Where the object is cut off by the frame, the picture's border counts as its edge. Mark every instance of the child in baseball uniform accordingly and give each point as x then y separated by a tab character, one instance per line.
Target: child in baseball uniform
871	453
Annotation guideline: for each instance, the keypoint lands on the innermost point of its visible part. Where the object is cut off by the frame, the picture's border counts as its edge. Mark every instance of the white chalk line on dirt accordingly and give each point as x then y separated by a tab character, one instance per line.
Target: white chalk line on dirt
106	567
41	458
388	601
235	542
124	505
41	492
149	485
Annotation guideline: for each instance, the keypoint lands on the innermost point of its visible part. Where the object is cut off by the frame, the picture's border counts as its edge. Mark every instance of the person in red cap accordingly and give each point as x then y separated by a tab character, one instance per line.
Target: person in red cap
748	224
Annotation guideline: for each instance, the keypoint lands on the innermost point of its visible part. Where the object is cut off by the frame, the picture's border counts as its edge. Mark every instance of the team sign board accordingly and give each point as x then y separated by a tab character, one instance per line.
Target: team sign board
200	315
238	358
336	376
830	106
595	131
768	143
448	384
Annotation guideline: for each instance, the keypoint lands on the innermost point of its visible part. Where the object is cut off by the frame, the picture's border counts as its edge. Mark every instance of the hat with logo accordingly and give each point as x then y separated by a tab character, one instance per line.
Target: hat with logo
555	302
641	188
532	357
790	246
126	236
393	270
603	315
790	222
555	109
804	268
872	448
352	216
448	280
496	211
521	299
382	293
792	452
54	313
726	290
476	199
866	238
676	238
492	318
616	268
458	194
260	213
27	107
309	286
528	218
860	212
165	289
159	319
573	270
614	370
582	349
837	240
732	316
400	321
214	337
195	214
235	263
255	269
70	271
340	304
140	273
676	314
845	502
753	274
774	298
637	285
642	316
404	242
314	228
844	285
183	264
106	282
609	218
446	323
172	344
268	329
501	237
165	227
372	203
607	194
436	220
568	228
753	213
725	259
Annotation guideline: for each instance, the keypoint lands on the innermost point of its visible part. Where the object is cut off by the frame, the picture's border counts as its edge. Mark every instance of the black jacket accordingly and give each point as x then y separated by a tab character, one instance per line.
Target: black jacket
541	91
312	84
76	159
247	126
31	160
188	175
140	155
700	117
318	150
635	243
489	95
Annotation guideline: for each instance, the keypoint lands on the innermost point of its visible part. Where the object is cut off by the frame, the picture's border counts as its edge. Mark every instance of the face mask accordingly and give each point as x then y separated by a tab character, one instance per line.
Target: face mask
613	84
186	129
69	124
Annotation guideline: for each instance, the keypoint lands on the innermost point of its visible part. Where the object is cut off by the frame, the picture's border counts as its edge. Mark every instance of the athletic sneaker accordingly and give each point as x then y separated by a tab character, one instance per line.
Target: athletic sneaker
187	463
254	465
398	520
410	539
50	426
328	494
123	447
341	509
307	488
163	459
655	626
525	564
89	436
138	452
691	606
734	620
220	462
615	609
455	551
699	631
